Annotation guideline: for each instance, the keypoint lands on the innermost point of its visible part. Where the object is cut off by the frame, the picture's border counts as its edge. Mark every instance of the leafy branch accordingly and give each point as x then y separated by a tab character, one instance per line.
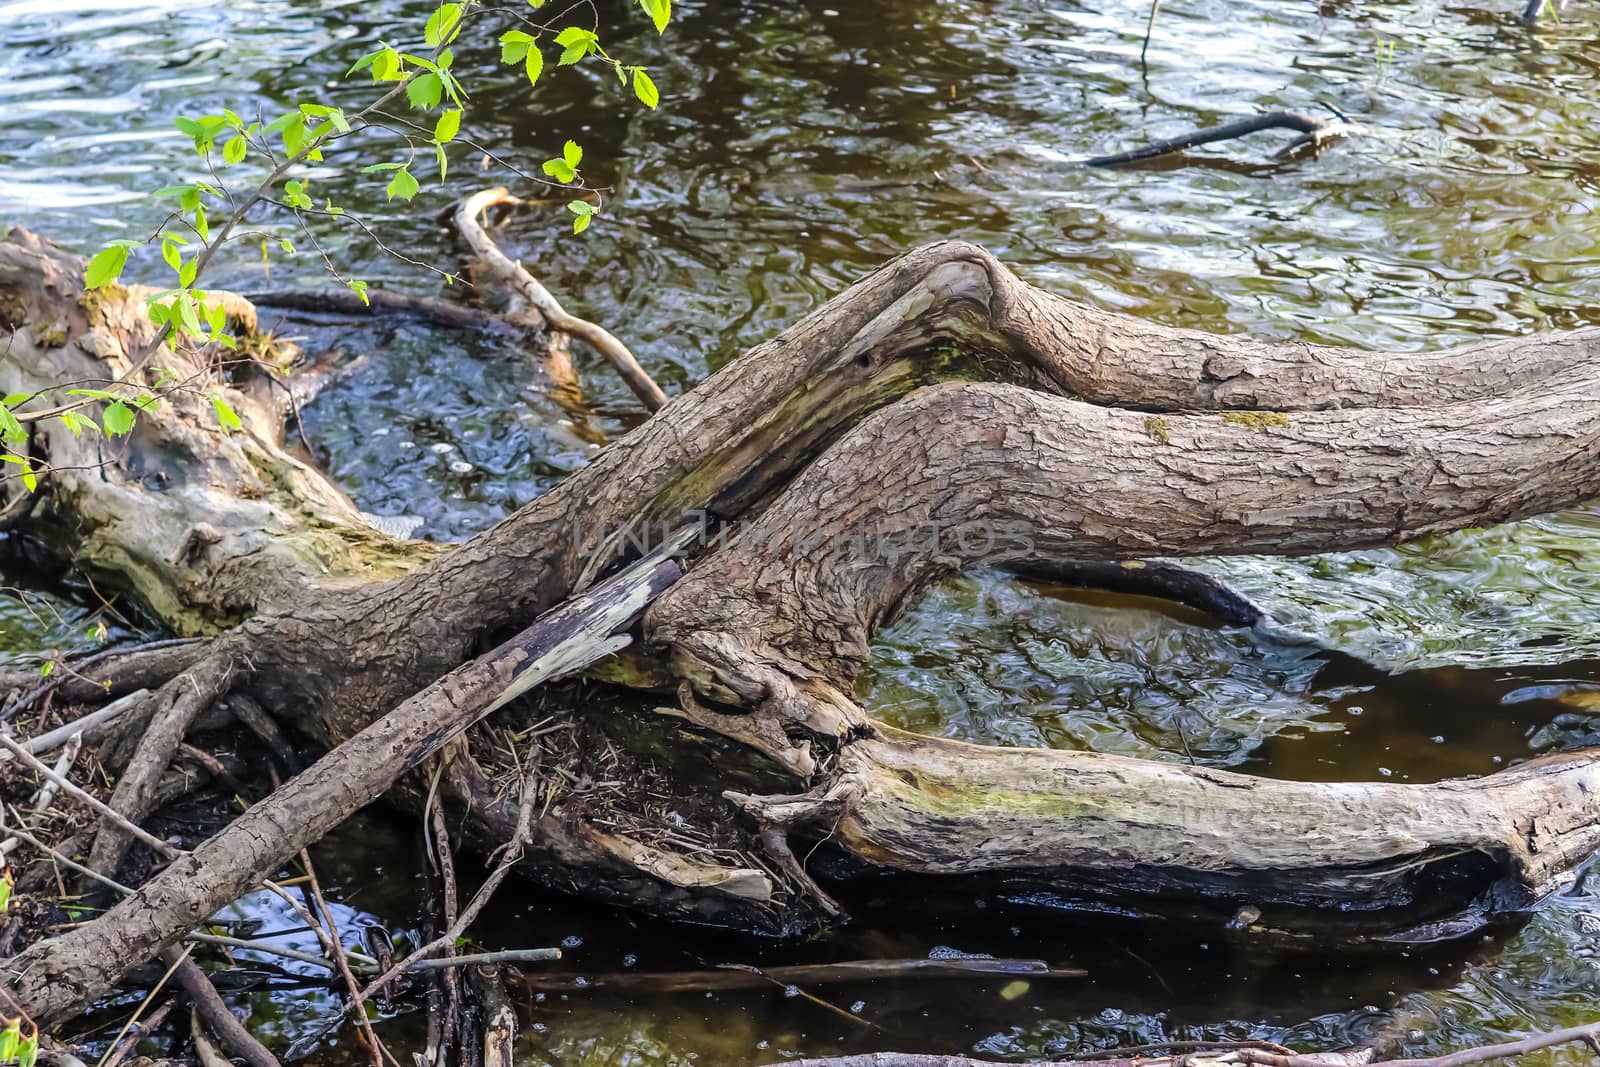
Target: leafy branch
186	314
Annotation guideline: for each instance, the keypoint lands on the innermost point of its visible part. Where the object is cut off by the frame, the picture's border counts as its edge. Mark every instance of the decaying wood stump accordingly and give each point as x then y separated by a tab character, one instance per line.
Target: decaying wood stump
939	415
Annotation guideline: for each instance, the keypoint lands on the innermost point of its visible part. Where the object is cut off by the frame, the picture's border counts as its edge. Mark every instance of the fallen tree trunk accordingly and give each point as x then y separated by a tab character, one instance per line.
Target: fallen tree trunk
941	393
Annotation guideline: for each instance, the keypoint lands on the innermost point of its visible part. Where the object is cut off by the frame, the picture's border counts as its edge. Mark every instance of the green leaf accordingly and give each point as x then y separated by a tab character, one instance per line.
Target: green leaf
583	214
78	423
377	167
442	25
172	252
324	111
11	429
558	169
105	267
514	46
359	287
424	91
295	194
234	150
535	64
645	89
575	35
388	68
403	185
117	418
368	60
385	64
228	417
576	43
444	163
189	314
660	12
286	244
572	152
449	124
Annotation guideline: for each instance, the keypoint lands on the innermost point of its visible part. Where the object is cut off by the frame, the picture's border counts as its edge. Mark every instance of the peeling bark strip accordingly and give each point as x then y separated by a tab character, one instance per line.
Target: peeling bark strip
939	392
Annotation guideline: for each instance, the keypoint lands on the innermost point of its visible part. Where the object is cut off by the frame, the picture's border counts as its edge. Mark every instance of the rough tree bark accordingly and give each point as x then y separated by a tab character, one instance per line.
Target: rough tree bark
845	465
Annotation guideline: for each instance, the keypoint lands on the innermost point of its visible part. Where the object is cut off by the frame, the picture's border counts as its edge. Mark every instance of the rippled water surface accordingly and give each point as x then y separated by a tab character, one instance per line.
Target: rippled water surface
800	144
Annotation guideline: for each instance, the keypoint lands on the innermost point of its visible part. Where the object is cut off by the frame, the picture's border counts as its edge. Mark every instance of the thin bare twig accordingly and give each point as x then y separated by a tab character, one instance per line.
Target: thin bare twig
375	1049
516	275
100	807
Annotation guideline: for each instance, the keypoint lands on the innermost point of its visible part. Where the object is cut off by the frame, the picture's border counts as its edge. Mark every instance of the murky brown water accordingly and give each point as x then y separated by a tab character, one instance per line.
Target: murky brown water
800	144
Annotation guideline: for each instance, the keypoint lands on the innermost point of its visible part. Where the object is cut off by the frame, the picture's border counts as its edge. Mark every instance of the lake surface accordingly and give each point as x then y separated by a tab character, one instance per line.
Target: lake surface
798	145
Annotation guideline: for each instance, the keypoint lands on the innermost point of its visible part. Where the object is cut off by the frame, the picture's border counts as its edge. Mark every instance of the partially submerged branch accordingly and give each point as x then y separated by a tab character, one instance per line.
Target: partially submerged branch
1315	134
61	974
1226	1054
516	276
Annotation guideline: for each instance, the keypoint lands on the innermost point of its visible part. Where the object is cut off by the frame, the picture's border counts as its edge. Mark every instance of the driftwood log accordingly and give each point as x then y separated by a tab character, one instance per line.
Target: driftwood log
939	415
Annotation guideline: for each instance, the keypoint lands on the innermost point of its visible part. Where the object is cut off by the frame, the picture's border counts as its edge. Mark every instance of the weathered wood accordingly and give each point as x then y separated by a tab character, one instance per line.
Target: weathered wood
61	974
1114	438
499	1016
1315	132
846	972
529	288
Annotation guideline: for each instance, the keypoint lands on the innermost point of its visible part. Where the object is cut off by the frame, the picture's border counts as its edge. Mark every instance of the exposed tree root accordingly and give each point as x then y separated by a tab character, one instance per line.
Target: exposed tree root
111	673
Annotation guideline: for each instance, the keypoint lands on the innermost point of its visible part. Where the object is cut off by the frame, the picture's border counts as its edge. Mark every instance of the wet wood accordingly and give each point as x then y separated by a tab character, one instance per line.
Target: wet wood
84	963
745	976
1315	133
940	387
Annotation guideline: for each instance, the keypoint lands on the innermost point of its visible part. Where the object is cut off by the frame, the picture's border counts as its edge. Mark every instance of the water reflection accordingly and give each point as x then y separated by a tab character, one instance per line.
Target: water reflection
800	144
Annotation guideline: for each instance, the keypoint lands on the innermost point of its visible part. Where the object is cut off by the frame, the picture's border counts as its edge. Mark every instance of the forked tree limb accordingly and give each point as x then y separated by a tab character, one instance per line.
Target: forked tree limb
525	284
967	475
